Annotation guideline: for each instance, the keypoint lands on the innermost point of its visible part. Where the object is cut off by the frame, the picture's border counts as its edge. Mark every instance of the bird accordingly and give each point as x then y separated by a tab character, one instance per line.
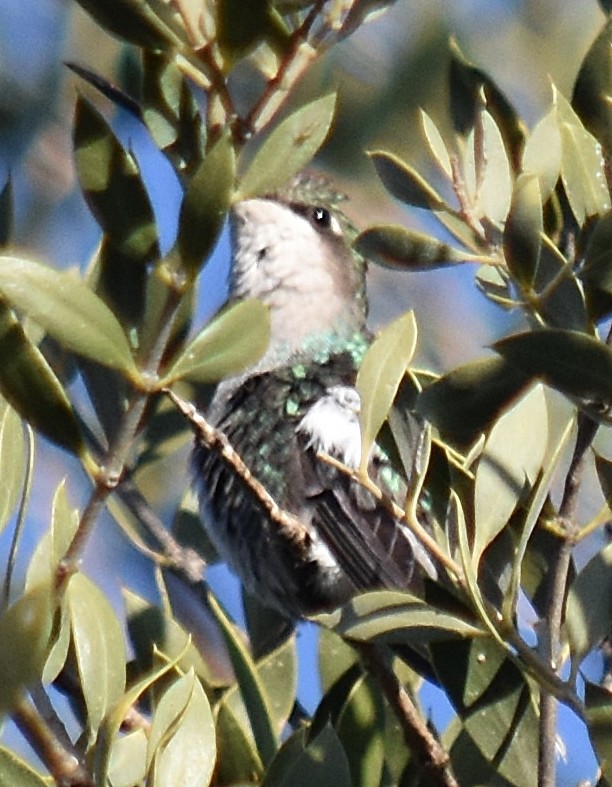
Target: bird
292	250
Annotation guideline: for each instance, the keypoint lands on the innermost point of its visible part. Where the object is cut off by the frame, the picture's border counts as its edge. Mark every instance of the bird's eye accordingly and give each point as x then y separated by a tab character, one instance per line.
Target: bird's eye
321	217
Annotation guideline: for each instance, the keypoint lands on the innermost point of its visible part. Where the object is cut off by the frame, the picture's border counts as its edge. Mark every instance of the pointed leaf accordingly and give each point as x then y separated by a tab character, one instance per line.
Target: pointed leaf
204	206
495	703
15	771
436	144
230	343
542	154
288	149
182	737
322	761
380	374
394	246
67	309
100	650
12	461
604	473
113	187
30	385
576	364
582	165
404	182
464	402
512	456
523	230
25	633
588	616
496	187
128	760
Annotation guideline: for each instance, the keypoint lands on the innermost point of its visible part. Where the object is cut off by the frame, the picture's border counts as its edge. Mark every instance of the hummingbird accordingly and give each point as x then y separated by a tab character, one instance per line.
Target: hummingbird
292	250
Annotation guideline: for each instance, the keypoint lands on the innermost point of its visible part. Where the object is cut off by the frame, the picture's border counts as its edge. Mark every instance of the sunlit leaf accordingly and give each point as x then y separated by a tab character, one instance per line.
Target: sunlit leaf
128	765
113	187
12	461
379	376
582	165
574	363
25	632
495	190
512	456
395	246
231	342
18	773
182	738
99	646
30	385
288	149
588	616
542	154
67	309
523	230
404	182
436	144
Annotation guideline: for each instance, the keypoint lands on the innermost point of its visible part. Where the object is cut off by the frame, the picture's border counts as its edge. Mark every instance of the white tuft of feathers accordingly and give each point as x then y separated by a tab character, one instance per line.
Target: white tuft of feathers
332	425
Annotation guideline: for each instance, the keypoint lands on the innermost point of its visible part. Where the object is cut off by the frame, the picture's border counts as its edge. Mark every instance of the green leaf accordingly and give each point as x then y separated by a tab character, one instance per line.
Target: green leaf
394	617
100	650
542	154
511	458
14	772
495	703
182	742
253	692
67	309
604	473
596	271
137	21
395	246
231	342
241	27
469	85
380	374
495	189
598	702
301	763
239	761
588	614
404	182
204	206
561	302
12	461
592	87
25	633
128	760
113	187
437	146
30	385
288	149
576	364
278	674
582	165
463	403
523	230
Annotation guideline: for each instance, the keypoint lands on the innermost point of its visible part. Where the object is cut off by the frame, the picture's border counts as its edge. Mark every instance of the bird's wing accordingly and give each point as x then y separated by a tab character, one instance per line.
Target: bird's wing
369	544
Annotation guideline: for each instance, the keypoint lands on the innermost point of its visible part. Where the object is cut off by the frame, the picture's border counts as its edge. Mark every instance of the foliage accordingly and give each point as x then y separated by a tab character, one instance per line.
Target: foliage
502	434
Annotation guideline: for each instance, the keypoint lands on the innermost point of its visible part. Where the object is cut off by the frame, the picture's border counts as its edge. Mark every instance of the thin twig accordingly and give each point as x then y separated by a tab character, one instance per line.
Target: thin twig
558	576
63	765
430	754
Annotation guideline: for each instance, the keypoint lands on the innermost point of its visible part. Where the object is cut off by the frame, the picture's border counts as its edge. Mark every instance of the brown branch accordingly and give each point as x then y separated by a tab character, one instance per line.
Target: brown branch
431	756
557	584
62	762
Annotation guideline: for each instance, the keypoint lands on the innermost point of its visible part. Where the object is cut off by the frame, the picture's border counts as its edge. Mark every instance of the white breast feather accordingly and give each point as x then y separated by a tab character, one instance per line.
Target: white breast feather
332	425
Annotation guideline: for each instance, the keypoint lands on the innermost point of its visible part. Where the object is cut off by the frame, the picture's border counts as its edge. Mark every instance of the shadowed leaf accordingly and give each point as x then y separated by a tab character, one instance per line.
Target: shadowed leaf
395	246
598	702
404	182
523	230
14	771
